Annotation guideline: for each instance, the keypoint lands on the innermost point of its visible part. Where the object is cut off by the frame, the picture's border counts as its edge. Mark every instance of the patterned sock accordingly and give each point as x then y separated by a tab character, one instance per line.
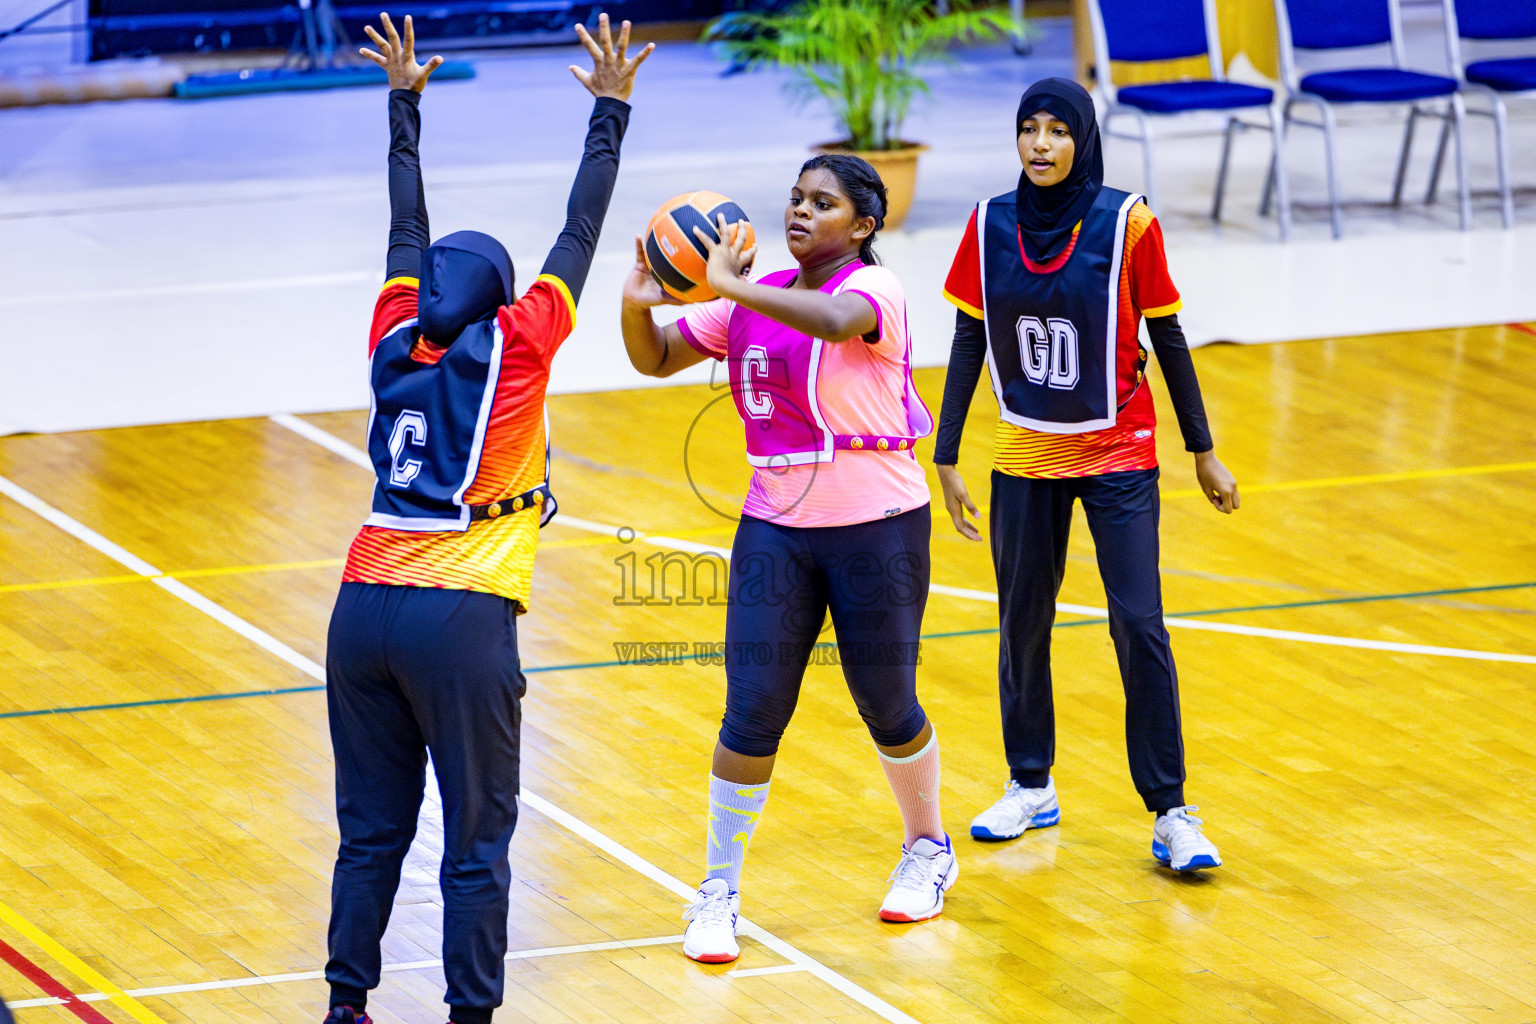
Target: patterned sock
915	781
734	808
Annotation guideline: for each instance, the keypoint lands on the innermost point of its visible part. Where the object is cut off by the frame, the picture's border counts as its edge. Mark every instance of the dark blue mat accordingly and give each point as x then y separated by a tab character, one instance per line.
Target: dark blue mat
240	83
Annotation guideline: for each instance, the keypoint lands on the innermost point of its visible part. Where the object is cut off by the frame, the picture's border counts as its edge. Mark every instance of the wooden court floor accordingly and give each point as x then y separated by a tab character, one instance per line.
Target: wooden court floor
1357	654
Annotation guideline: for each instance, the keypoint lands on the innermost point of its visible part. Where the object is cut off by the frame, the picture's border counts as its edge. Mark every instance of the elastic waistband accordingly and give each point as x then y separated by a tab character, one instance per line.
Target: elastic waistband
873	442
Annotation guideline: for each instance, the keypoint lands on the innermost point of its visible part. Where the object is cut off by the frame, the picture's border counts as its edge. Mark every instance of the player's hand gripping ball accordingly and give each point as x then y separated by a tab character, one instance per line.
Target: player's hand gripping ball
678	260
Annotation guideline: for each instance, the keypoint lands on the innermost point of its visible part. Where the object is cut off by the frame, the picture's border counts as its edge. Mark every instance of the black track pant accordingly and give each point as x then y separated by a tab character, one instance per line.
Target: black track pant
1030	522
412	669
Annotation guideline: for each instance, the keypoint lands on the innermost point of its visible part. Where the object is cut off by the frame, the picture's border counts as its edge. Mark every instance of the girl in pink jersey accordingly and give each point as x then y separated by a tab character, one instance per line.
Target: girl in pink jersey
836	518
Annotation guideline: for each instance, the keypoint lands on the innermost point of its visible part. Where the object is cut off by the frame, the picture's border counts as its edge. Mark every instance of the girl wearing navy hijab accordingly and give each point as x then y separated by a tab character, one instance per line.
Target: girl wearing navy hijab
1052	281
422	652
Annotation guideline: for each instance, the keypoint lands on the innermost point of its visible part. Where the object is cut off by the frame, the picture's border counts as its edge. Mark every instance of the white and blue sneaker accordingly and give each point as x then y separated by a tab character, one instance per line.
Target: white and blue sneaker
1178	843
926	870
1017	812
711	917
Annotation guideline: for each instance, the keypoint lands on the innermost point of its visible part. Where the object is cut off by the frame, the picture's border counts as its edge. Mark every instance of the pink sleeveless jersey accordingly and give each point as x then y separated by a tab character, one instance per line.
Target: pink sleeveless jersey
829	425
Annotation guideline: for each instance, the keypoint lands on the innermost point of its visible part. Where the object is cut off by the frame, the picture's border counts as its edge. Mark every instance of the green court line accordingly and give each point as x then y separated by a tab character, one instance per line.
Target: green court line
1359	600
206	697
200	698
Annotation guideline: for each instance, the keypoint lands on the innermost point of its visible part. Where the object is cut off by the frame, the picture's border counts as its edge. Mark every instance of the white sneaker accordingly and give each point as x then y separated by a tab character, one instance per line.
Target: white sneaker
1018	811
711	917
1178	843
924	872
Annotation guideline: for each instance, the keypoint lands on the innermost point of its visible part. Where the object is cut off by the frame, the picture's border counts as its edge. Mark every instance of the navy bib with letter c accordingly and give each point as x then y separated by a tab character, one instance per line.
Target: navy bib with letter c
427	425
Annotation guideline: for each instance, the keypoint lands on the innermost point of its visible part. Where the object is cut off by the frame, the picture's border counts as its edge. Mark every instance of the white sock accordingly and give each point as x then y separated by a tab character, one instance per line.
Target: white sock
915	783
734	808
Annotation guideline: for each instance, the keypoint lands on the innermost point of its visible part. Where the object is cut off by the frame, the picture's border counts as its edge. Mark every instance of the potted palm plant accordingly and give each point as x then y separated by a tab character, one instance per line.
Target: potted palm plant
864	58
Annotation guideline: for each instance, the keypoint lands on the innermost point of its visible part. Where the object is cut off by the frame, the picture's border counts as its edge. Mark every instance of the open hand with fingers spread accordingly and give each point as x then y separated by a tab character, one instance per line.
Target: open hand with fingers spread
613	72
730	259
397	58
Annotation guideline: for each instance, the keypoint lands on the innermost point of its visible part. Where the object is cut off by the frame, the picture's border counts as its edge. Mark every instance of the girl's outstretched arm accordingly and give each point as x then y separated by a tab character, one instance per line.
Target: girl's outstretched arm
409	233
611	80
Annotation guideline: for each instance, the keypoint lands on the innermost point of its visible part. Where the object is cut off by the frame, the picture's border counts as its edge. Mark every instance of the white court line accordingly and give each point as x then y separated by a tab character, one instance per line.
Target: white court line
334	444
1346	641
758	972
619	852
205	288
325	439
1177	622
743	926
413	965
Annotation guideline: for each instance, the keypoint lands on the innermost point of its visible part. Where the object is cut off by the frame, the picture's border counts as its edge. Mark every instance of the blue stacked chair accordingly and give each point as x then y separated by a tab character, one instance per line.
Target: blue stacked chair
1351	24
1493	80
1136	30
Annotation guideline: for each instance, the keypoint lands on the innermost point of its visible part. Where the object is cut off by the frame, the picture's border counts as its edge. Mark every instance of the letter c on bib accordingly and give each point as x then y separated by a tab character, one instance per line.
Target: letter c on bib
410	428
754	366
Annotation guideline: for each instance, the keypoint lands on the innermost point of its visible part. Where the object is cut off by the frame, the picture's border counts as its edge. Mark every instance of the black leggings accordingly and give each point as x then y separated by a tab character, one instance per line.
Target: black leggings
873	577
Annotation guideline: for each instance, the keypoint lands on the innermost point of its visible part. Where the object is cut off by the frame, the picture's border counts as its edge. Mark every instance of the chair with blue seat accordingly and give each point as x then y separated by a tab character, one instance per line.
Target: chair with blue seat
1350	24
1135	30
1482	21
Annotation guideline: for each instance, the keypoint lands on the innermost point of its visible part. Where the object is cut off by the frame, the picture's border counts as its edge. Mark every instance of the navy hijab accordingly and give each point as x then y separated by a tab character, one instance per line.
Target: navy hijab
1047	215
465	277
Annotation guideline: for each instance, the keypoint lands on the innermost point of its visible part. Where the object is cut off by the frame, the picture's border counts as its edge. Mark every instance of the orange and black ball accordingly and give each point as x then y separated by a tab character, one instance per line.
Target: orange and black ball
676	257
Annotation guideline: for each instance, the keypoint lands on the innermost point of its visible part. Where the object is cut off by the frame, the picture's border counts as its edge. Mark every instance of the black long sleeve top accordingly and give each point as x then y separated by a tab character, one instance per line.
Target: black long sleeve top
409	233
969	352
571	257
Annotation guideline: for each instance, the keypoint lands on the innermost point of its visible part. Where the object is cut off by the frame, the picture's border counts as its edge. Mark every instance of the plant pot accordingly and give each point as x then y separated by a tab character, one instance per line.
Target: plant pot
896	167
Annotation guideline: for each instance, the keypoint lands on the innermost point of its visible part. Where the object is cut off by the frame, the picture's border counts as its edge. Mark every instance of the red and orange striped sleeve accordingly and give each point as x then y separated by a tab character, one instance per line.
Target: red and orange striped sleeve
1152	289
396	304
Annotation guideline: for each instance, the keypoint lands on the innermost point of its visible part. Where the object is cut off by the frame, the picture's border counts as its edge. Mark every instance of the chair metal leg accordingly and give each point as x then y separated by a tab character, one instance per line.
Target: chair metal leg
1501	144
1021	43
1329	159
1463	185
1221	172
1402	159
1433	193
1274	156
1277	173
1146	158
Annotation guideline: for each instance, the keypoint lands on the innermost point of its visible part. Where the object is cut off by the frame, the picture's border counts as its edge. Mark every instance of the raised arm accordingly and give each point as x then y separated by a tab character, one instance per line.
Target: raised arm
409	234
611	81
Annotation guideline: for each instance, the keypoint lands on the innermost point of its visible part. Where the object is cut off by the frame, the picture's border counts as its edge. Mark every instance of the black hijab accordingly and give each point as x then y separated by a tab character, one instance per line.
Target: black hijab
465	277
1047	215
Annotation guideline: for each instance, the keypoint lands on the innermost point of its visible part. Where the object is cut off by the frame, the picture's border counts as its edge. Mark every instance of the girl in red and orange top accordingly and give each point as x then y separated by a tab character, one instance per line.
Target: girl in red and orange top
422	649
1052	281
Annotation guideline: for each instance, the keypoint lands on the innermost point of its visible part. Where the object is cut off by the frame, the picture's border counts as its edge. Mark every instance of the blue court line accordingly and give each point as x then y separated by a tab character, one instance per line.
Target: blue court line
200	698
206	697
